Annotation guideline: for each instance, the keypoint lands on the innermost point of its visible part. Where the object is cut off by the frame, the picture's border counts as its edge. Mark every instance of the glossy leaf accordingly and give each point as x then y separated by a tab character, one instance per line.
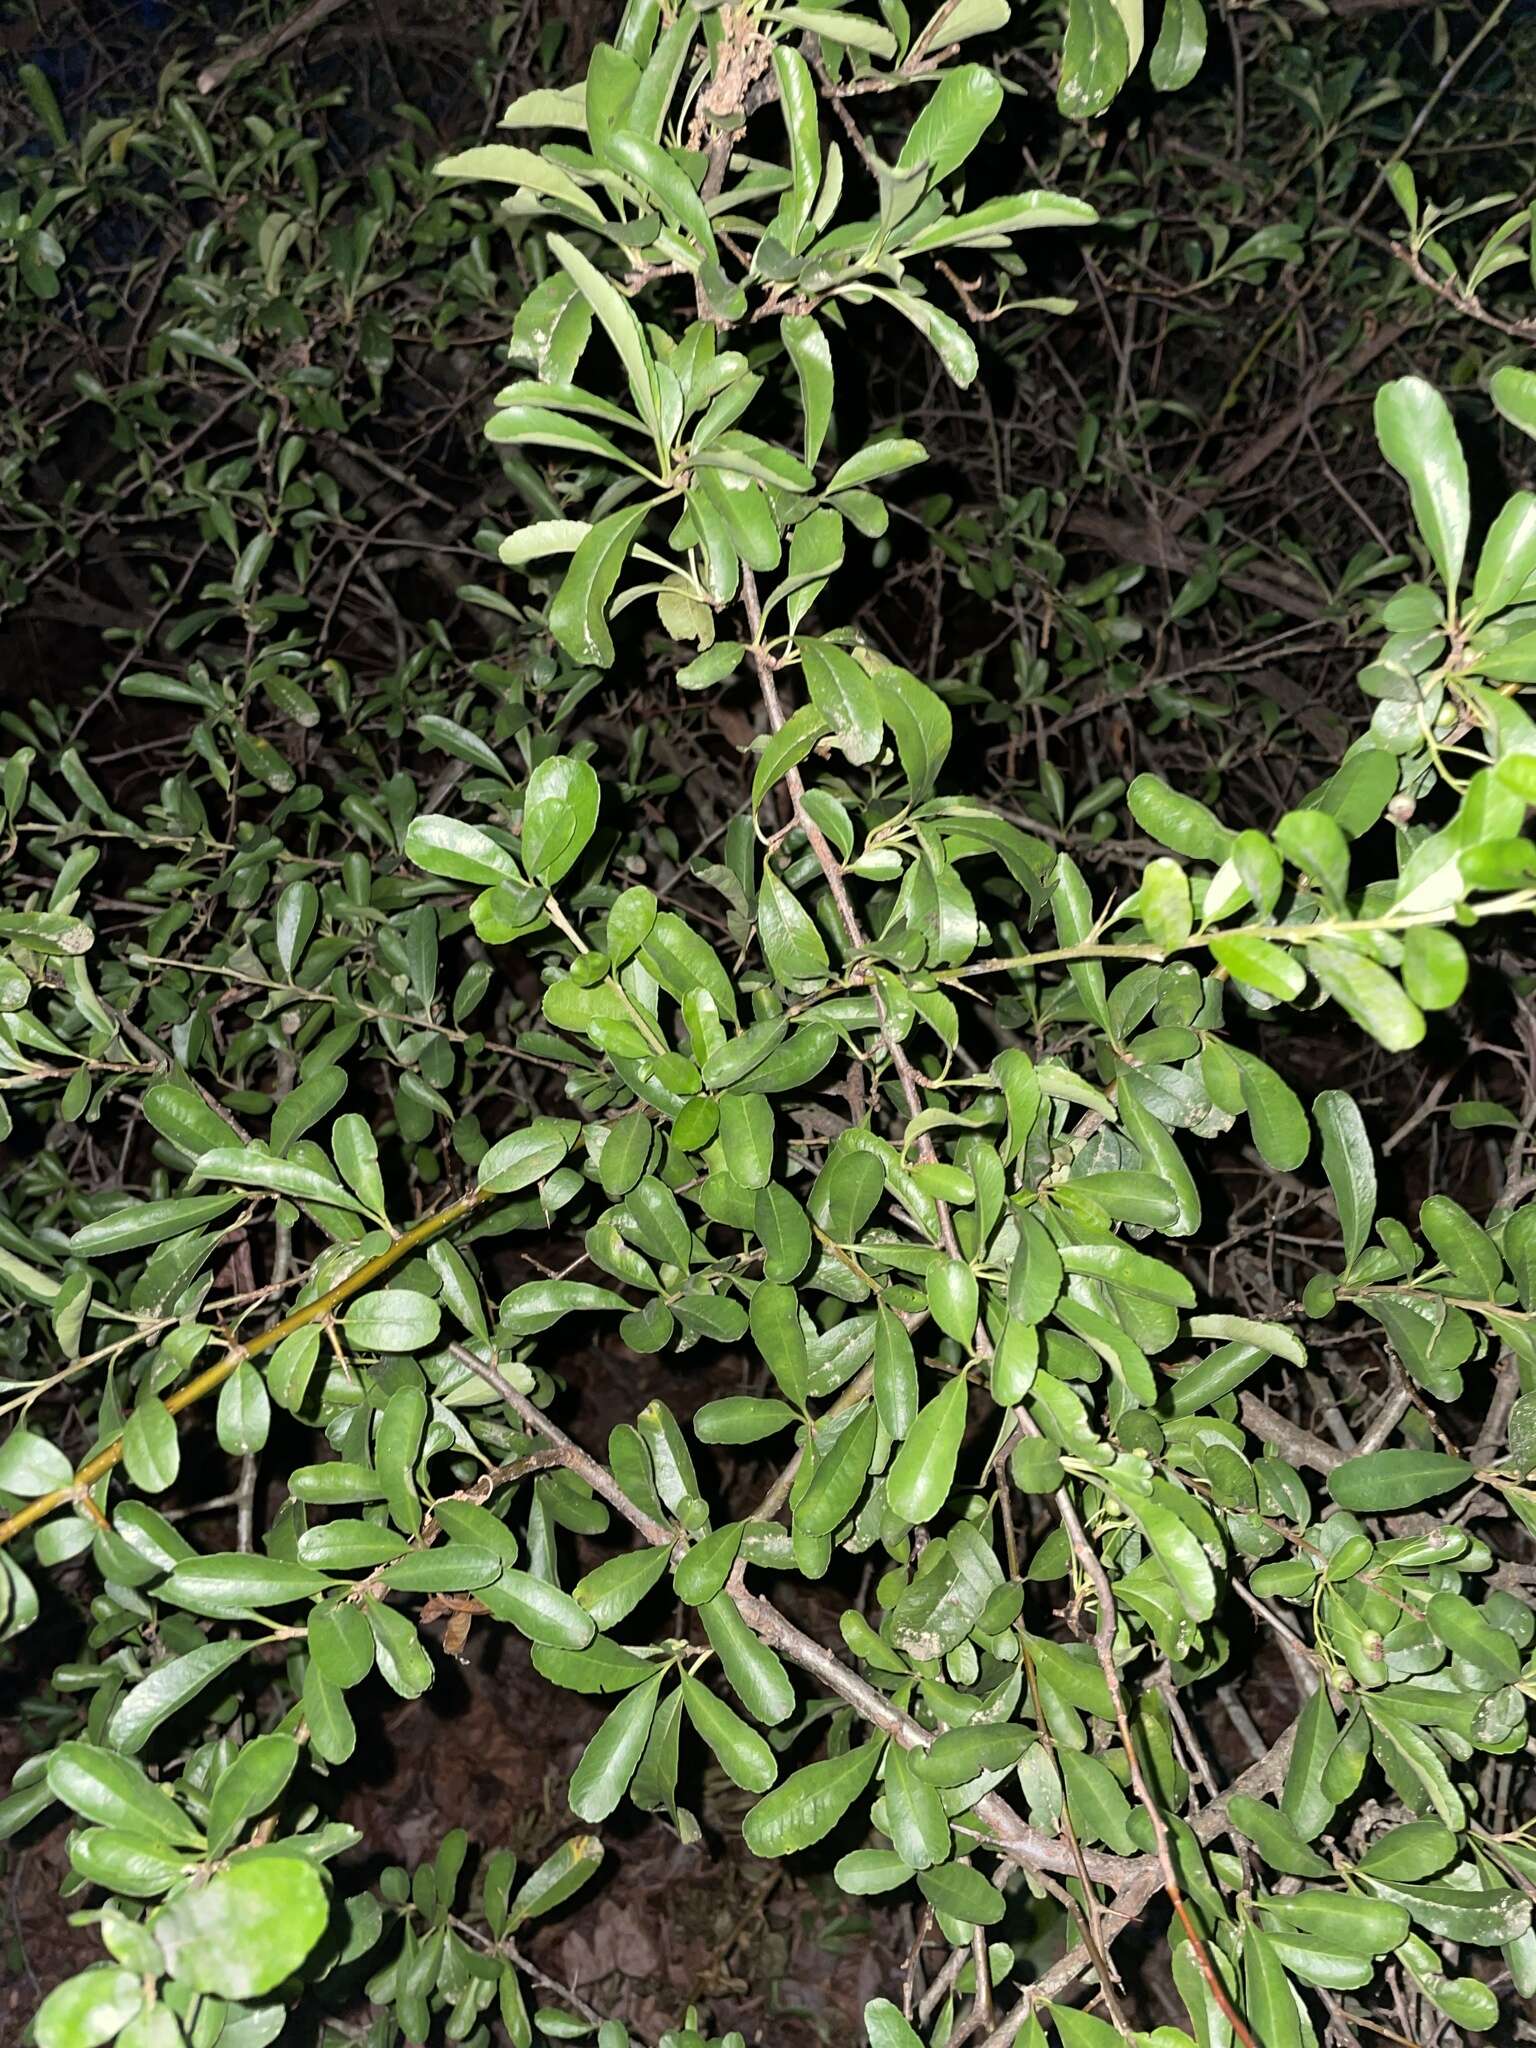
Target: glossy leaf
1418	437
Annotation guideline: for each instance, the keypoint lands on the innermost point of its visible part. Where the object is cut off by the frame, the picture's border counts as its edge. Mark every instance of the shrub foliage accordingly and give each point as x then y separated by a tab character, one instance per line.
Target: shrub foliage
641	932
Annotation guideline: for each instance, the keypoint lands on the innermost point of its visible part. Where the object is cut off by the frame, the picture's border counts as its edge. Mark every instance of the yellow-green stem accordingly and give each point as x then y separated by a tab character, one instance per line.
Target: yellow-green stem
216	1375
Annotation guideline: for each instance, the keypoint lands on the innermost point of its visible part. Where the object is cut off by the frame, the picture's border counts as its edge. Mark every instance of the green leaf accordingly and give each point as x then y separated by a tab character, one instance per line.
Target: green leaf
1095	58
961	1754
1179	822
786	749
740	1751
45	105
895	1371
1275	1115
963	1893
1369	993
249	1927
332	1731
557	1879
540	538
1340	1920
1418	437
850	29
922	1473
1386	1482
538	1610
48	932
886	2028
1508	560
604	1666
797	100
1416	1849
250	1169
1035	1277
740	1419
1179	50
341	1643
1164	905
458	852
523	1157
609	1760
839	1477
865	1873
949	340
559	816
986	226
253	1782
1275	1836
1081	2030
623	329
578	617
776	1331
756	1673
1513	392
1179	1552
114	1793
1462	1246
706	1565
86	2010
1313	841
1485	1917
792	945
663	180
539	1303
615	1588
1260	963
844	695
151	1446
143	1223
747	1135
1269	2002
393	1319
304	1106
30	1465
1131	1271
244	1412
963	107
397	1439
1160	1154
1434	967
168	1688
236	1584
507	164
914	1813
1350	1166
811	1802
403	1663
1036	1466
920	724
1468	1635
185	1119
811	355
1100	1810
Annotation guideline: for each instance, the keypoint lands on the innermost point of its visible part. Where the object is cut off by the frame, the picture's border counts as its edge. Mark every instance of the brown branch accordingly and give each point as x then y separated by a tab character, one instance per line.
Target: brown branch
267	44
1158	548
1266	1776
1283	431
1008	1833
1104	1649
1298	1444
1465	303
831	868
